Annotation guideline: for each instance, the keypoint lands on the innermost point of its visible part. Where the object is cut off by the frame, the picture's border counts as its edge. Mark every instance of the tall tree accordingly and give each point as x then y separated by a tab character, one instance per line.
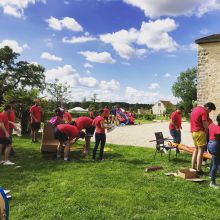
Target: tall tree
19	74
59	92
185	88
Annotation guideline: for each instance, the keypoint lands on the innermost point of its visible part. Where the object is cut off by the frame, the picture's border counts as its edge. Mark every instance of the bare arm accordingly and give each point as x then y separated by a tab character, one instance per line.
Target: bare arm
205	125
2	126
14	125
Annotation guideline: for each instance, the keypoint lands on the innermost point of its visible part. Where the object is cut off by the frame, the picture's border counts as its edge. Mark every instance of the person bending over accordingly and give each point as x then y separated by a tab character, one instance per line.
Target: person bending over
65	133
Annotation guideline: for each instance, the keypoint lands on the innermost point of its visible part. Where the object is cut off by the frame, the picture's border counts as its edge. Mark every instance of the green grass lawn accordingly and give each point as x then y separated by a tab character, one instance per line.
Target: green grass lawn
117	188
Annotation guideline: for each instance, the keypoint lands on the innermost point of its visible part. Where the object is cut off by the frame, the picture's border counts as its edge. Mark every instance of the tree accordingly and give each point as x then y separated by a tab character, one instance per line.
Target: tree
94	98
185	88
59	92
19	74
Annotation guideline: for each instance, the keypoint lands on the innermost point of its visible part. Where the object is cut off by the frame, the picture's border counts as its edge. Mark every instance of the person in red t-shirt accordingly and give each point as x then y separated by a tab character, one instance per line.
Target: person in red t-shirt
106	114
100	136
87	124
5	139
65	133
175	125
214	149
36	117
199	129
67	117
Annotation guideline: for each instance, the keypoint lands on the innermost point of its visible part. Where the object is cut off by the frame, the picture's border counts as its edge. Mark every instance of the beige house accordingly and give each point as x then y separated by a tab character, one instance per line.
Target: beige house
161	106
209	71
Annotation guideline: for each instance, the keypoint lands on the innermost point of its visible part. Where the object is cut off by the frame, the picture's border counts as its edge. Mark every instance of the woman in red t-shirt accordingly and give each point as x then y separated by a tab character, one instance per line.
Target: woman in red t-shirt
100	136
214	149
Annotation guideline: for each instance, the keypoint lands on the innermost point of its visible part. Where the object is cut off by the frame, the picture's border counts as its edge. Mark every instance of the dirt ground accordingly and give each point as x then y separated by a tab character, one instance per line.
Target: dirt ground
140	135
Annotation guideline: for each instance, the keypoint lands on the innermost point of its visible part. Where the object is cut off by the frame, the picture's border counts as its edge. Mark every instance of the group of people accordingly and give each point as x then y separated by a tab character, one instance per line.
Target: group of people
205	134
68	133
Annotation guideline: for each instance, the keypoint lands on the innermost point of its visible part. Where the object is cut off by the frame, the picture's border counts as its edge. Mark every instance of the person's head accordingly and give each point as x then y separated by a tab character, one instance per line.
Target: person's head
82	134
59	112
7	108
37	102
101	112
209	106
179	108
218	119
13	103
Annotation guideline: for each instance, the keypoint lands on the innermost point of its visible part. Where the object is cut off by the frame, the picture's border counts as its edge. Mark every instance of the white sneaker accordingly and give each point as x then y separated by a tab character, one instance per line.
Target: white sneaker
6	191
2	161
8	162
213	185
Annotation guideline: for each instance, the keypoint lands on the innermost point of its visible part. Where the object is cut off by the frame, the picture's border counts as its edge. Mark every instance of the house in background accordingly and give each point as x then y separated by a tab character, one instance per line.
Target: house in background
160	107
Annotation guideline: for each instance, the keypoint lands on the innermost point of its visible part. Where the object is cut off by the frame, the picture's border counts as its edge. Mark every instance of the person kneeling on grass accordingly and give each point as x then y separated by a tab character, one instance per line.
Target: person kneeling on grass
214	149
65	133
100	136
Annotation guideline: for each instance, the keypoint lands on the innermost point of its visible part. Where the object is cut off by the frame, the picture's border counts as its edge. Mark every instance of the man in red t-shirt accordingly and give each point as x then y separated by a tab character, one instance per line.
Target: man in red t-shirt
65	133
175	125
36	117
5	139
106	113
100	136
87	124
199	128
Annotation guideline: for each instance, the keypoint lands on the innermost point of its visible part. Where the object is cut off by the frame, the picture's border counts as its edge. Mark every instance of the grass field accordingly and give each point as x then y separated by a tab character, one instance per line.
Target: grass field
117	188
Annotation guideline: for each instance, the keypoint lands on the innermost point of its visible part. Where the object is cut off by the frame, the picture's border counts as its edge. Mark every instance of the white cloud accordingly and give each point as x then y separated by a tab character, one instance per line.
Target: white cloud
205	31
157	8
49	42
133	95
122	43
48	56
111	85
103	57
16	7
171	55
88	81
167	75
14	45
153	35
76	40
66	74
88	65
154	86
66	2
66	22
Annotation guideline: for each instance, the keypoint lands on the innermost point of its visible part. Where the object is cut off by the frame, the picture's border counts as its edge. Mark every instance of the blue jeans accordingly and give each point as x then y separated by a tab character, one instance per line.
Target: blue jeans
176	135
99	138
214	149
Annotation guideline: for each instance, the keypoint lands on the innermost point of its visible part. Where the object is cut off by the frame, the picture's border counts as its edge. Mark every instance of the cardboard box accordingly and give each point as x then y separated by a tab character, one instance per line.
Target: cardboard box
187	173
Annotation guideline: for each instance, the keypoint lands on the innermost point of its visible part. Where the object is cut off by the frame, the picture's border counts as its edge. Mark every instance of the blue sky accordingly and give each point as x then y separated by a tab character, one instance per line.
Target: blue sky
122	50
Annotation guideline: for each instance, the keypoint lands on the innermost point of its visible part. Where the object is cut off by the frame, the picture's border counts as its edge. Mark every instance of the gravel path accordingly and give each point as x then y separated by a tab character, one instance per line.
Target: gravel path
140	135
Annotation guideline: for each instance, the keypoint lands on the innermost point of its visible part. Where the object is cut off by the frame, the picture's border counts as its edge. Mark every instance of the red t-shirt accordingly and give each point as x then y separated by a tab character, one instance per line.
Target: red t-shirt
97	123
37	113
91	114
83	122
213	129
11	117
4	120
70	130
198	115
106	112
67	117
176	118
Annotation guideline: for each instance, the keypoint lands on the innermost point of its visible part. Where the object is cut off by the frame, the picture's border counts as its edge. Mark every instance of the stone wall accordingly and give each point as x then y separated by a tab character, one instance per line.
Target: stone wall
209	75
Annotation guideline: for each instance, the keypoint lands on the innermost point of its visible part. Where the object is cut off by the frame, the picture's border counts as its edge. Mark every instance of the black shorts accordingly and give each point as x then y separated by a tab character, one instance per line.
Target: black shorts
90	131
5	141
60	136
35	126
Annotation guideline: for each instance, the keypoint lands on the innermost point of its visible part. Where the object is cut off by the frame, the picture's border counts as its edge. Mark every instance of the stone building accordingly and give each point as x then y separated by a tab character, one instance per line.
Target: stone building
160	107
209	71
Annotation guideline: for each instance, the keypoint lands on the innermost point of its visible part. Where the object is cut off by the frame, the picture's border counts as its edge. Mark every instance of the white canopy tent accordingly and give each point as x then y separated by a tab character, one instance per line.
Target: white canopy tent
78	110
